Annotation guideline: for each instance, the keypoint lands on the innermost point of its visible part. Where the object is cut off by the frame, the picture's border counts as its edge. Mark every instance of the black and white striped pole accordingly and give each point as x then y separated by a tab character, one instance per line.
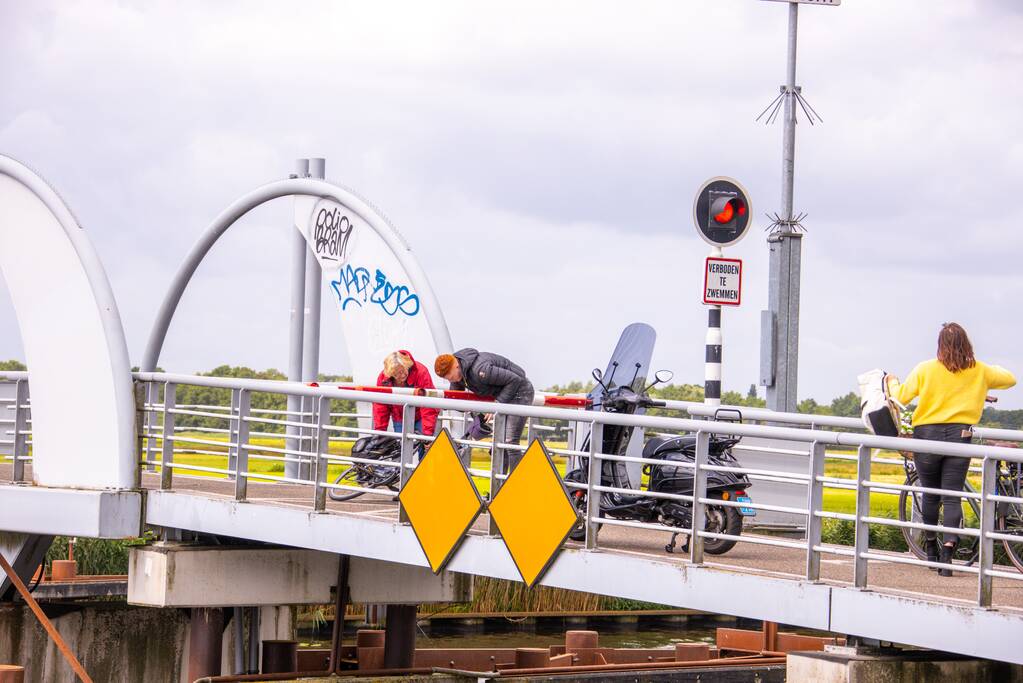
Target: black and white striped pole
712	364
722	213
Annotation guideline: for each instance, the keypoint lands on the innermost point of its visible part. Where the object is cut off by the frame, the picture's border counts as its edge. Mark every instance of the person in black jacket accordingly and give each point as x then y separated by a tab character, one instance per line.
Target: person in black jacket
489	374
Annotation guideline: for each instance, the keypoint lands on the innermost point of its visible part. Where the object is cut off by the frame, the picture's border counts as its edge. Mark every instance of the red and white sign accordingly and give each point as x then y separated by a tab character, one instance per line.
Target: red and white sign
722	282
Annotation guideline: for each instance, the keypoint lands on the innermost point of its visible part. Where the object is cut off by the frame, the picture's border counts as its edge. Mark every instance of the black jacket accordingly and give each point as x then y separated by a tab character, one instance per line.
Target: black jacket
489	374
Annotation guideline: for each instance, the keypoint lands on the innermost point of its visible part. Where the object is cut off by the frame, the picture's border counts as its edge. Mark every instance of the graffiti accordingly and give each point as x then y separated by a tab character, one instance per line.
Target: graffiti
394	298
331	232
354	286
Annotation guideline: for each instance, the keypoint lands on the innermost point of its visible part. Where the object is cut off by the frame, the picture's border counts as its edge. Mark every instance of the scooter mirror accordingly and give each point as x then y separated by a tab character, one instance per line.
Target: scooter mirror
598	374
663	376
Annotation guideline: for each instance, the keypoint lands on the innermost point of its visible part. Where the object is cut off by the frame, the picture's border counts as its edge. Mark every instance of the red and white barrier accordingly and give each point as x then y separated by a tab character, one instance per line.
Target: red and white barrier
540	398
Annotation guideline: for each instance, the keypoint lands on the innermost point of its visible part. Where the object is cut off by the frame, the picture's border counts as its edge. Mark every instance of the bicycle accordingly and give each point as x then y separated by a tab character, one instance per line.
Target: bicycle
367	476
1008	516
910	510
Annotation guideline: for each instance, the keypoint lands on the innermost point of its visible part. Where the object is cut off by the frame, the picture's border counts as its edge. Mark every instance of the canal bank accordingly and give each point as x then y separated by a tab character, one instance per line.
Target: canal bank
120	643
115	642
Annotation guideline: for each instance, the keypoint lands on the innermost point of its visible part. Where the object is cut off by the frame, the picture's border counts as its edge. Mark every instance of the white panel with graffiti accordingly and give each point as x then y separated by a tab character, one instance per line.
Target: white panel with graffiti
379	308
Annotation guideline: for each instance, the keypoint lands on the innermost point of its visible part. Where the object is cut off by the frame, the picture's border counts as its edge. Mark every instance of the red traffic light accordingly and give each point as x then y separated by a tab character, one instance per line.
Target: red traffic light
722	211
728	212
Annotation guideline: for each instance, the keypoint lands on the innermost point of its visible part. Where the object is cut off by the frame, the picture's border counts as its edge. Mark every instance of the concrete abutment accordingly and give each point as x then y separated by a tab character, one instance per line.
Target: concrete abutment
865	665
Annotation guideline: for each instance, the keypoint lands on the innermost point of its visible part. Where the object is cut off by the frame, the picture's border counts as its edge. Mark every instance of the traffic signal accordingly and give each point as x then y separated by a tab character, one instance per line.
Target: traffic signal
722	211
726	210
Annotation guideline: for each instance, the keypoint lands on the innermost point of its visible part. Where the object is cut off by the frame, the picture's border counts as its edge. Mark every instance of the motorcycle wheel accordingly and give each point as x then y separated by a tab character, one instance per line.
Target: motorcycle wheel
721	520
579	503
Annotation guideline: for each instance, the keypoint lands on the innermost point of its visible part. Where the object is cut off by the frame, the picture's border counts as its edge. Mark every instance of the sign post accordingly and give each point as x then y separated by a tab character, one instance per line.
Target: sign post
722	214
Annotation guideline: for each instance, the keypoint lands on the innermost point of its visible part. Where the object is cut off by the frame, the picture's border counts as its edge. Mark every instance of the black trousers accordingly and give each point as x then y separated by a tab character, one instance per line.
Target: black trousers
942	472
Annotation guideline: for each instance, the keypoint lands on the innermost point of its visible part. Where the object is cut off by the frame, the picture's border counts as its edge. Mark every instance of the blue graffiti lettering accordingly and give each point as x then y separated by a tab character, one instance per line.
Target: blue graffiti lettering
353	286
356	284
394	298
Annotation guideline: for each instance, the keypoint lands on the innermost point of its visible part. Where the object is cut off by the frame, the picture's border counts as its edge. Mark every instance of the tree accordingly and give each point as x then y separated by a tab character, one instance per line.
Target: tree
752	393
808	405
12	366
575	387
846	406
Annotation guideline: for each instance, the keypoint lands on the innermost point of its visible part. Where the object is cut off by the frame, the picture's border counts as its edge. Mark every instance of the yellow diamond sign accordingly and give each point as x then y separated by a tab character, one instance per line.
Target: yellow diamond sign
533	513
441	501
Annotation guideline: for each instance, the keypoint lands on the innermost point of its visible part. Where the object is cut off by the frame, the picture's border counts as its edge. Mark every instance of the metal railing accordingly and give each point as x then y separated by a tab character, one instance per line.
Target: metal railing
319	433
15	423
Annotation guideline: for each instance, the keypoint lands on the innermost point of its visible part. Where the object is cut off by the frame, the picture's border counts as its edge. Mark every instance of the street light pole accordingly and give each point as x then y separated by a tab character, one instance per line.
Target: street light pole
781	333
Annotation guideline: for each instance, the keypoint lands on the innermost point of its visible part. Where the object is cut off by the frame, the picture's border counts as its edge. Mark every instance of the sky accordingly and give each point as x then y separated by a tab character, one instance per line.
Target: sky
541	159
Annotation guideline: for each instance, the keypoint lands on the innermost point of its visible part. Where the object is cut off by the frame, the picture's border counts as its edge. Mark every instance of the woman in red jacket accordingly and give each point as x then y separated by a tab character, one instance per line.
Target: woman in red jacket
402	370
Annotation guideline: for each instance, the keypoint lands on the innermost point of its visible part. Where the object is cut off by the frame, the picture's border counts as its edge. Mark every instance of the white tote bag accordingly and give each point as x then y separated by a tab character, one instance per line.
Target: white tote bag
878	408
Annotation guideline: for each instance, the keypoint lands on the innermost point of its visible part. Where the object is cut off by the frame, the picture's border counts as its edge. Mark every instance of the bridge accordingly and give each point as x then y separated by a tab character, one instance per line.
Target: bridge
90	449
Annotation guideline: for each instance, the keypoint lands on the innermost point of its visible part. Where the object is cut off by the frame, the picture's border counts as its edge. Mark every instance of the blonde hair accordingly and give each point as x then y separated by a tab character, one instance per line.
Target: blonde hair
396	360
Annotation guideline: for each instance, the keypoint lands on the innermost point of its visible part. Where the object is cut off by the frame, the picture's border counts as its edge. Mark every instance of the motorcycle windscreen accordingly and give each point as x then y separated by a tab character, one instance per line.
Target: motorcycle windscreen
629	365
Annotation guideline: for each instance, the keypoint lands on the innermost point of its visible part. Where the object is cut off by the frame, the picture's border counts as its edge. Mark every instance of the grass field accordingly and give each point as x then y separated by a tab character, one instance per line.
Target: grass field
835	499
99	556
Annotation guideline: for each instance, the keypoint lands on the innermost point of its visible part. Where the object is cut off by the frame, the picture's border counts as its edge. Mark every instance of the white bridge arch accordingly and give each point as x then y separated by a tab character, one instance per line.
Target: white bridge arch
318	189
83	409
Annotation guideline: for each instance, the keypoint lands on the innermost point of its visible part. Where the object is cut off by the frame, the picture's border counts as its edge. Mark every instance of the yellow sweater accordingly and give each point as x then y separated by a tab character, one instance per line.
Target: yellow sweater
947	397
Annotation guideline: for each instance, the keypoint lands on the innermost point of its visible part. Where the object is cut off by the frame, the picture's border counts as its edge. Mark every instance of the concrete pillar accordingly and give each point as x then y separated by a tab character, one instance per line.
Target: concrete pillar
205	640
400	637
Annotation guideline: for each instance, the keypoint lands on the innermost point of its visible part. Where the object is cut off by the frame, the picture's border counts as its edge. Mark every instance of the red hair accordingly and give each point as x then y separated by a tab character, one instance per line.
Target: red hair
443	364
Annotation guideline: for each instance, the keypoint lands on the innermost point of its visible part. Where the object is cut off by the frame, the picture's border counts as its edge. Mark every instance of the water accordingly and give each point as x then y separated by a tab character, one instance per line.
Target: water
647	638
645	632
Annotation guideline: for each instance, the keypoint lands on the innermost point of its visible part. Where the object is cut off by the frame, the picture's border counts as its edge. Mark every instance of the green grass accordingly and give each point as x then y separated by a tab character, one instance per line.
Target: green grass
835	500
480	458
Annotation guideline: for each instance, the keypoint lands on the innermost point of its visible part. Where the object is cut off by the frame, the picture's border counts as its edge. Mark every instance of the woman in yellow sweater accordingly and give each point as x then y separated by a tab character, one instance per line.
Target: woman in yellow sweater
951	390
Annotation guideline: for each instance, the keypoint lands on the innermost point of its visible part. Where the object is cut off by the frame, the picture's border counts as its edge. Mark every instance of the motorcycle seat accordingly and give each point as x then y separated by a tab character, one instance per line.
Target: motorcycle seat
665	444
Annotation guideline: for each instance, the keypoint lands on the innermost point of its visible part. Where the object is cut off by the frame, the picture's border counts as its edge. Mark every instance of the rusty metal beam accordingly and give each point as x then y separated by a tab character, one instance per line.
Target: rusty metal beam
47	624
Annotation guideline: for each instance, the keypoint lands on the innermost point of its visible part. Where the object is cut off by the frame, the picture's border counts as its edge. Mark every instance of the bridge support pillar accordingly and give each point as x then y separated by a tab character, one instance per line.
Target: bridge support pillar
873	665
205	640
400	637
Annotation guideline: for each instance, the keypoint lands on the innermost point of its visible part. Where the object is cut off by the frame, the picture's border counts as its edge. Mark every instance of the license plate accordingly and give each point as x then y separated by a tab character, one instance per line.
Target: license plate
747	512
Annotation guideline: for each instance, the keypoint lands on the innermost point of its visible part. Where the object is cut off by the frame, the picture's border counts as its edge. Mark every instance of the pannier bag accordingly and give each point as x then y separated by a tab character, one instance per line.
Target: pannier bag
377	447
878	408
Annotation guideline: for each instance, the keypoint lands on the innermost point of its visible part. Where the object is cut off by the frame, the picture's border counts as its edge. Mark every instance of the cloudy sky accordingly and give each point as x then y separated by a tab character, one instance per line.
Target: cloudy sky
541	159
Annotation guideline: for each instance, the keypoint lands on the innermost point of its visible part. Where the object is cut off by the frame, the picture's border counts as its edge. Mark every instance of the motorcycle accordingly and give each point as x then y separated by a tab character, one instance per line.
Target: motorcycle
667	478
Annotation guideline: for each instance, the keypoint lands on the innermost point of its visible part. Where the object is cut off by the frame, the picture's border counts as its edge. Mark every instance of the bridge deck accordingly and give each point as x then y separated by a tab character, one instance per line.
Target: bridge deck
904	604
772	561
746	557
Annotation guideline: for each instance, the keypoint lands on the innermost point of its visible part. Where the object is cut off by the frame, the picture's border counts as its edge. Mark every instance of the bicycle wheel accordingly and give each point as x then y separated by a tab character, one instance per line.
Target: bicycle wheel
968	549
349	477
910	510
1010	521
